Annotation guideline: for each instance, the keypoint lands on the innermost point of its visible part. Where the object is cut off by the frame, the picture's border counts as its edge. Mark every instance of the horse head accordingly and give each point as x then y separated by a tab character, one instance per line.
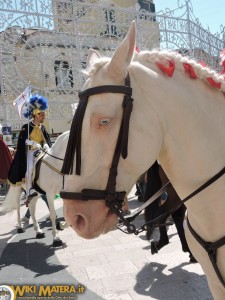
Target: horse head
100	129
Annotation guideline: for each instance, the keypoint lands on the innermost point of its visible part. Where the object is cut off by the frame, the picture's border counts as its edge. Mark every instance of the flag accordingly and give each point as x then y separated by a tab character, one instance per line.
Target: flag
22	99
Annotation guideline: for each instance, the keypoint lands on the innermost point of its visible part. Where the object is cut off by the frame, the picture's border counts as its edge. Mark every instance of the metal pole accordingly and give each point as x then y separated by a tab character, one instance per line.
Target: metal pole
28	137
189	25
139	31
2	88
78	52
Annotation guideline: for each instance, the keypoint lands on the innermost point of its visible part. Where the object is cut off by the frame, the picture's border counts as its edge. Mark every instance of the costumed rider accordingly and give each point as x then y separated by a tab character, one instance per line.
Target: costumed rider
33	136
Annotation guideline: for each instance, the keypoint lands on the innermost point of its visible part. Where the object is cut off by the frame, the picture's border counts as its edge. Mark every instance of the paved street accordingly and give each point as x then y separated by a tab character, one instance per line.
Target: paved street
114	266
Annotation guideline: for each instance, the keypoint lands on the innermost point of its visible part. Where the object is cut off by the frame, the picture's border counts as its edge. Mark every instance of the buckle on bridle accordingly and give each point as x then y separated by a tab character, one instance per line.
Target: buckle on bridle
115	200
127	100
209	248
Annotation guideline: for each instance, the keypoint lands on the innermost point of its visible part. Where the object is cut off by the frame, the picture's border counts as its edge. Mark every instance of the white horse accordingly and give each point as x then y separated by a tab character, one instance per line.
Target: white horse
50	180
178	118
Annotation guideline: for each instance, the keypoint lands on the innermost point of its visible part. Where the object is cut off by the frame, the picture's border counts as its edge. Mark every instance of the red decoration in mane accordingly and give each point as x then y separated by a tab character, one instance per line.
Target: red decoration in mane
210	80
190	70
223	61
213	83
168	67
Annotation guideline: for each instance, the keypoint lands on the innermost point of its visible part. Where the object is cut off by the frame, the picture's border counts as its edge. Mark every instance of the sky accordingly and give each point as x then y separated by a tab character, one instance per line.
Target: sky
210	13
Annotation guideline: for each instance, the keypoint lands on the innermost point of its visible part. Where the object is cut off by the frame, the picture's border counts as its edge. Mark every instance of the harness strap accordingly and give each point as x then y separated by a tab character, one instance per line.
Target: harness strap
167	185
121	149
137	212
51	166
127	109
211	249
205	185
37	173
46	152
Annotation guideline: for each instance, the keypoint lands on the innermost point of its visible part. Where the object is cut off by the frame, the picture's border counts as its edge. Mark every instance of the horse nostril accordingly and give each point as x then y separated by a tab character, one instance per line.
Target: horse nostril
76	219
78	223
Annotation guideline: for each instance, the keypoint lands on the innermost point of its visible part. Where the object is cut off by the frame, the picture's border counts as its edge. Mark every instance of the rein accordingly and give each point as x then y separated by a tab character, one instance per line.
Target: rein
52	155
38	164
51	166
155	222
48	164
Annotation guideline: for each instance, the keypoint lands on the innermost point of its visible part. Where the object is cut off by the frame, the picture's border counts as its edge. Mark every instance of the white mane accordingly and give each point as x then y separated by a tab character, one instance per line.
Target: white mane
155	56
201	72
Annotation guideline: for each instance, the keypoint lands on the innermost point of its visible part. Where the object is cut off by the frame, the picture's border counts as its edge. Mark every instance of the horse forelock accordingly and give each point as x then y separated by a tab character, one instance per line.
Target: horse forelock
92	70
202	72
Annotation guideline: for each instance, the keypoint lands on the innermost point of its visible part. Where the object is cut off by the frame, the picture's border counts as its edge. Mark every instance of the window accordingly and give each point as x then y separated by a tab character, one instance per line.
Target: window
149	6
65	11
110	19
63	74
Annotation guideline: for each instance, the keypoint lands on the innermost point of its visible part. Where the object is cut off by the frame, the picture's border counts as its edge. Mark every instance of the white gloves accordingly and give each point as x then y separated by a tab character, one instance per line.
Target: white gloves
33	143
29	142
46	147
36	145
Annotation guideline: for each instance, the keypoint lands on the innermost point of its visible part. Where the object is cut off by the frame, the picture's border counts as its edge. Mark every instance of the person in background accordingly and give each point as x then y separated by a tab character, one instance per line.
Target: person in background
12	151
33	136
5	159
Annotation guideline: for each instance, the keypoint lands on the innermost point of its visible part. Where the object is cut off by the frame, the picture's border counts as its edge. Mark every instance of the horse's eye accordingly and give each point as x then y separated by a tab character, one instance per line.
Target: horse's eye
104	122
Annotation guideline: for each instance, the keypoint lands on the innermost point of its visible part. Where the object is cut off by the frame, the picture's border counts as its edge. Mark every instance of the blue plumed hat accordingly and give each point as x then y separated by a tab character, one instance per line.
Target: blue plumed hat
35	105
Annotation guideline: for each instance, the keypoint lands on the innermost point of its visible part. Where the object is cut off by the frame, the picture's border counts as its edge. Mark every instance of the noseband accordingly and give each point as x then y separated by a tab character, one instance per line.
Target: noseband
114	200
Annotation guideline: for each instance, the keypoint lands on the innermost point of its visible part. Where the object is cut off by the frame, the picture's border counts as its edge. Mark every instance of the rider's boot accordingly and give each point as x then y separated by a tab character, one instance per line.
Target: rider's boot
32	194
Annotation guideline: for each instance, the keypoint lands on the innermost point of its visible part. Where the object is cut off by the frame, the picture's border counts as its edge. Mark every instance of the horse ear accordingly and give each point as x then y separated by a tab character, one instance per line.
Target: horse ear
123	55
92	56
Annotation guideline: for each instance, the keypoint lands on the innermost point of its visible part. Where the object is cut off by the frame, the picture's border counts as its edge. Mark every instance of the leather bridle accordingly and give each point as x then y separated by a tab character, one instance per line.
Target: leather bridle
114	199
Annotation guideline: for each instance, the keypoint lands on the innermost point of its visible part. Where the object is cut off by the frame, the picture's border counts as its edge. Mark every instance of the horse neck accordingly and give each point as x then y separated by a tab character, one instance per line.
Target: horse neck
50	179
191	114
57	152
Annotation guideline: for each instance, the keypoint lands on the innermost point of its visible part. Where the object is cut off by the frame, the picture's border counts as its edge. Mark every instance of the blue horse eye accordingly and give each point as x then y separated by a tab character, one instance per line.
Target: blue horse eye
104	122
